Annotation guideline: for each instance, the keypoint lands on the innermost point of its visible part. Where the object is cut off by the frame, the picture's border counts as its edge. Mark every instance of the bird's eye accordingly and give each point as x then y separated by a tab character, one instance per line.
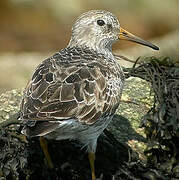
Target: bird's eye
100	22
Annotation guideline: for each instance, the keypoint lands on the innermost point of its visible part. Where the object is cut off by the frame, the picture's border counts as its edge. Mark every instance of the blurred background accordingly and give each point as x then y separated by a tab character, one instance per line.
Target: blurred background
31	30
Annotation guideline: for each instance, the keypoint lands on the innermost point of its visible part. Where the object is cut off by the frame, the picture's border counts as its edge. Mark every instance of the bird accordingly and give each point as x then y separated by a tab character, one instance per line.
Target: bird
74	93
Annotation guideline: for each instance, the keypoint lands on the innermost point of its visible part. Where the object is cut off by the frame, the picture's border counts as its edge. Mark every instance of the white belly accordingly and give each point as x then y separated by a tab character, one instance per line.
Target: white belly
72	129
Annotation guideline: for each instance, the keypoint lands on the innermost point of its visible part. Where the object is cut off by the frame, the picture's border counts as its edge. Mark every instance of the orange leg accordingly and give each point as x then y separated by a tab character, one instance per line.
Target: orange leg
91	157
44	147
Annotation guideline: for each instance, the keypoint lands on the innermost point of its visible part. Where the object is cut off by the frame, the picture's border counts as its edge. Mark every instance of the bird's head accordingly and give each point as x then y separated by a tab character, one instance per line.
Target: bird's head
99	29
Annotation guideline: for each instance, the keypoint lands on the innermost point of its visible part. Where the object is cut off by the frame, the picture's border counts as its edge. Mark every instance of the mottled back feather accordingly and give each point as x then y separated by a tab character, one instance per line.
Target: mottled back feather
74	83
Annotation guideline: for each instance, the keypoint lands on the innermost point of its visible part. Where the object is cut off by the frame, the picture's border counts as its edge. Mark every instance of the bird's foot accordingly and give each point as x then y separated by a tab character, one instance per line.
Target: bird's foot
43	144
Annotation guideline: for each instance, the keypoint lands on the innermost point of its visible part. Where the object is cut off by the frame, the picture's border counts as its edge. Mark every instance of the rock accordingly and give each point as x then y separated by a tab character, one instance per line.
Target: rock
120	151
136	101
9	103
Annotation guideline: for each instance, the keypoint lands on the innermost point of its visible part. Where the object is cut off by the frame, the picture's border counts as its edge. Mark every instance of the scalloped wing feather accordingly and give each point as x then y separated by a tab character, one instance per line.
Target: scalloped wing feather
69	85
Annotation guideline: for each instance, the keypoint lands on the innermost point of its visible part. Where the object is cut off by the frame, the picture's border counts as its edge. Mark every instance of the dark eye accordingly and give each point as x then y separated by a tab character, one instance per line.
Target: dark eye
100	22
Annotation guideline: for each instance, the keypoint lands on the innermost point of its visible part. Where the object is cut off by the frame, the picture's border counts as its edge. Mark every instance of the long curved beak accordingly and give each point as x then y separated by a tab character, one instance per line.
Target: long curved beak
125	35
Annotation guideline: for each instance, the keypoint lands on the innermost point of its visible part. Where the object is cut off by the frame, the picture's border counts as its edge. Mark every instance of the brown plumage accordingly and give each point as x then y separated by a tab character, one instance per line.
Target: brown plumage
75	93
82	88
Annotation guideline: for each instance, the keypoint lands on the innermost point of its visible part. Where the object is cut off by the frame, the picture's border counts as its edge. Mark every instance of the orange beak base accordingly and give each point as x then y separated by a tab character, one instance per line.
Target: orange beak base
125	35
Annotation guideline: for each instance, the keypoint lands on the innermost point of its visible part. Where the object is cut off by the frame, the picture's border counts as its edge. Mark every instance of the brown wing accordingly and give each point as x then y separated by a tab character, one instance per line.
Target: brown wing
74	88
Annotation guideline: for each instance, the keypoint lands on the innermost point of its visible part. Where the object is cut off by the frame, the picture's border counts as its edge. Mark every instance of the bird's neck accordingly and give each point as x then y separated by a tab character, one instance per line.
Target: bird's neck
100	48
